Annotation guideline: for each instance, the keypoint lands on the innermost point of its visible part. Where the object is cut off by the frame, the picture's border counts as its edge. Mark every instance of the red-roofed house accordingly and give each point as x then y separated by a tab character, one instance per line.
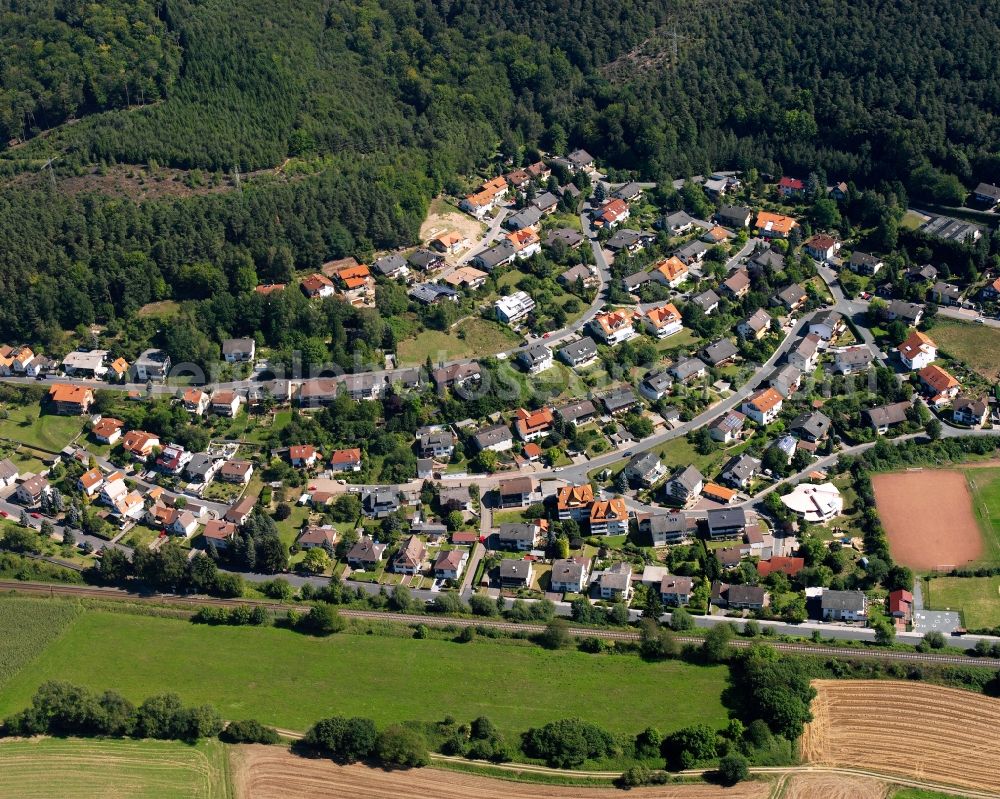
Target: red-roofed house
940	386
302	455
317	285
611	213
533	424
346	460
791	187
787	566
900	605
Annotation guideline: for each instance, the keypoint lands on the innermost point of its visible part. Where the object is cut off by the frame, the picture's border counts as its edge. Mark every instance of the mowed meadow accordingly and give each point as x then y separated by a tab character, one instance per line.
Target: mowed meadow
290	680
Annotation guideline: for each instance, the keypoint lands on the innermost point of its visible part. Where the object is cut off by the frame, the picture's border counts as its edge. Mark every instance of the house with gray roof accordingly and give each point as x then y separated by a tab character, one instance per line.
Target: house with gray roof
496	438
768	260
726	522
670	527
528	217
756	326
693	252
736	216
516	573
621	400
577	412
522	536
883	417
432	293
580	273
569	575
740	471
727	428
545	203
656	385
689	369
536	358
637	280
909	312
496	256
677	223
578	353
708	301
628	192
791	297
720	352
844	605
571	238
645	468
392	265
811	426
685	485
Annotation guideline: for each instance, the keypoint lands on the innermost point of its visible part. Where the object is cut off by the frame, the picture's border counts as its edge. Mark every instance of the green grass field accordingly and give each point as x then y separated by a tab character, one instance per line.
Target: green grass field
482	337
81	769
27	627
984	485
975	345
977	597
919	793
290	680
50	433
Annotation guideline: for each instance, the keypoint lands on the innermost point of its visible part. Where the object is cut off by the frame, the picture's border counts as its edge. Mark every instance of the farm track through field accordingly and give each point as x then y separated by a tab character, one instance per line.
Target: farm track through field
950	736
117	594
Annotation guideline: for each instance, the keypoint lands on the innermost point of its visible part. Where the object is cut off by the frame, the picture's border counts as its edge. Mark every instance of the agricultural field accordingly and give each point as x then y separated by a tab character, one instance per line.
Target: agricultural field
919	793
974	345
42	768
264	772
941	727
833	786
290	680
916	505
977	597
27	627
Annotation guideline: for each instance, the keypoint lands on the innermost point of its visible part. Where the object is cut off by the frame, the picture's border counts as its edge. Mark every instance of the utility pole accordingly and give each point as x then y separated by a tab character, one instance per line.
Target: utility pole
52	174
236	176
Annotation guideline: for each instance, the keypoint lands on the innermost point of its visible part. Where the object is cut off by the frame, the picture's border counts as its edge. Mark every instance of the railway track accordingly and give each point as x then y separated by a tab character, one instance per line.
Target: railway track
187	601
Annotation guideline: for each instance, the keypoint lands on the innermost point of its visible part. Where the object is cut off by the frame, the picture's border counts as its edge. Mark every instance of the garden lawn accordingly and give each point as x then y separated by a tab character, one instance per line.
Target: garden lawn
290	680
47	432
80	769
977	597
679	452
975	345
482	337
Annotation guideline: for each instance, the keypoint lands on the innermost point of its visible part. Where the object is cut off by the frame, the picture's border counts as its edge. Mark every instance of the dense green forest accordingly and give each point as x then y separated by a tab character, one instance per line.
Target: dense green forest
68	57
383	103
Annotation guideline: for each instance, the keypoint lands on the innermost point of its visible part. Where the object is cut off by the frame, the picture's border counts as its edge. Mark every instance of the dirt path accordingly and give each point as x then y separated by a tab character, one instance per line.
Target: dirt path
268	772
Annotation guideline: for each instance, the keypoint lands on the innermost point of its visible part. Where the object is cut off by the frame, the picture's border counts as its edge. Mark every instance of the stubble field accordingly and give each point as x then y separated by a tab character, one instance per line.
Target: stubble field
914	730
268	772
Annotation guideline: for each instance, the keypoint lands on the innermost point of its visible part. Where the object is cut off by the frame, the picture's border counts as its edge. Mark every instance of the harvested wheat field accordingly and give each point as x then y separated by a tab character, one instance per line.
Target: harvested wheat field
270	772
911	729
833	786
928	518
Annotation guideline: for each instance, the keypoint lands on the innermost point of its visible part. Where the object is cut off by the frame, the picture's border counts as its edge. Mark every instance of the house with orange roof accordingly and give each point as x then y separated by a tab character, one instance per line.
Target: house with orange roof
140	444
270	288
774	226
609	517
991	291
195	401
90	482
489	195
717	235
118	369
717	493
356	283
317	285
763	406
107	430
526	242
218	532
532	452
940	387
612	213
225	403
70	400
671	272
20	358
917	351
346	460
302	456
531	425
663	321
450	242
613	327
574	501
